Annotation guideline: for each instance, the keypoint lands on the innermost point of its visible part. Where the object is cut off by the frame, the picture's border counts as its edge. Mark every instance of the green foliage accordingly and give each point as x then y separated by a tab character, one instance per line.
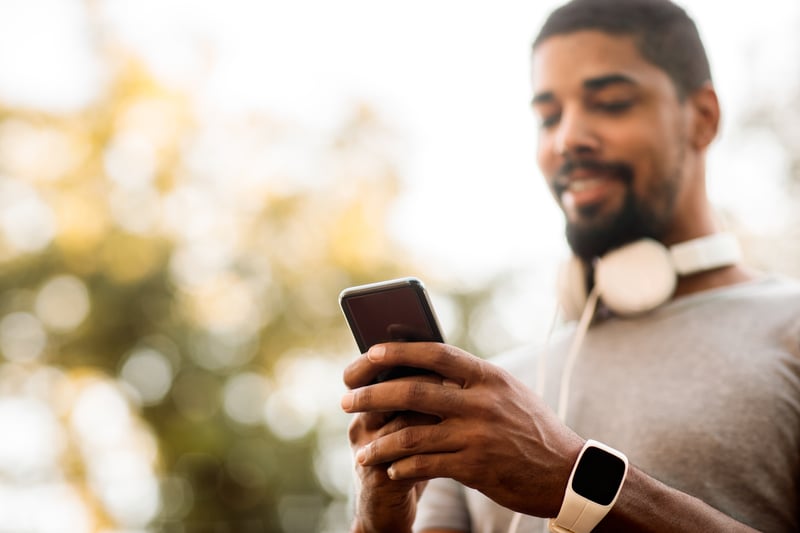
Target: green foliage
203	271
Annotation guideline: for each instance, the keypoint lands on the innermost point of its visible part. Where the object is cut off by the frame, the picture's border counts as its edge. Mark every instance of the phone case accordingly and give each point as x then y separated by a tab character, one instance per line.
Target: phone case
391	310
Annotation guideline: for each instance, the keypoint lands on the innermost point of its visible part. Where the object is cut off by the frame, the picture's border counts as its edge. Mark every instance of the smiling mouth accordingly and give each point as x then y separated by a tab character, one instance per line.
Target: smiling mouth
580	185
587	192
583	183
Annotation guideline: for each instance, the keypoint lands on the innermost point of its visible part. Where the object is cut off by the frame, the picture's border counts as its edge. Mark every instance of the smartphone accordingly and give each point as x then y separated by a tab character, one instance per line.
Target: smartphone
397	310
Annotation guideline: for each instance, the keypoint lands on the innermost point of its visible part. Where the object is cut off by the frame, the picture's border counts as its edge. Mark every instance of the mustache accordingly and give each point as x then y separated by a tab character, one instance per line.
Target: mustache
619	170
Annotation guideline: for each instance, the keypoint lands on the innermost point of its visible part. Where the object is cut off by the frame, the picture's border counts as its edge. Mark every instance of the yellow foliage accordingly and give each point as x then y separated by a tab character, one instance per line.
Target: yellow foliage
128	258
82	219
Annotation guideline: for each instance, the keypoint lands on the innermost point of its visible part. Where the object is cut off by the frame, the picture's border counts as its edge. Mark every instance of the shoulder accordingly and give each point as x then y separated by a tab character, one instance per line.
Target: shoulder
522	361
770	286
766	290
764	311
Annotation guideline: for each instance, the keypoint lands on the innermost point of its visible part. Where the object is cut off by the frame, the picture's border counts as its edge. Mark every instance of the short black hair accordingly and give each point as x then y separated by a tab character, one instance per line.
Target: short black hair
663	32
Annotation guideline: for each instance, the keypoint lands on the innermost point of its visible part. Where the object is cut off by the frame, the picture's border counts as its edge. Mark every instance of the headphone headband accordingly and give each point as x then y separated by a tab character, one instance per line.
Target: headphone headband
642	275
705	253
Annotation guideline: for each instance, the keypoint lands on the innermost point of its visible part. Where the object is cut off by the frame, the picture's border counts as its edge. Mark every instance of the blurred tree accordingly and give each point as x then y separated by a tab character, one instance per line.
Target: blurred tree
199	259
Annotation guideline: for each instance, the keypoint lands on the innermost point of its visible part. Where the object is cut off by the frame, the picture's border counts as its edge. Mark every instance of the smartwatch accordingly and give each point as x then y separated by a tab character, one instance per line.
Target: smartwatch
592	489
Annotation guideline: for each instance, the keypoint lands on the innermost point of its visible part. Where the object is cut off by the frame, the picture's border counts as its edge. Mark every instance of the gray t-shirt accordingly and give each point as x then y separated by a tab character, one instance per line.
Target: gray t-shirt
702	394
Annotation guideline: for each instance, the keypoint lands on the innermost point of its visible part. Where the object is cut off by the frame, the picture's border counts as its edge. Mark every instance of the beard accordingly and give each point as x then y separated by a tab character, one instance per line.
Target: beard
637	218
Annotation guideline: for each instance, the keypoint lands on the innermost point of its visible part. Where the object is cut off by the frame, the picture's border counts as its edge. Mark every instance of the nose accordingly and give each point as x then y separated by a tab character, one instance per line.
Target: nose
575	134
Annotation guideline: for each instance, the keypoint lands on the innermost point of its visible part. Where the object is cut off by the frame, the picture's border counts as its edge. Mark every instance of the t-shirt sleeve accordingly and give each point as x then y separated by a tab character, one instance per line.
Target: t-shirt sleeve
443	506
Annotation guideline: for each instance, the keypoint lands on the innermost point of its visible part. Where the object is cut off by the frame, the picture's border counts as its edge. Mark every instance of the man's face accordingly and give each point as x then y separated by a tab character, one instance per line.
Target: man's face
612	139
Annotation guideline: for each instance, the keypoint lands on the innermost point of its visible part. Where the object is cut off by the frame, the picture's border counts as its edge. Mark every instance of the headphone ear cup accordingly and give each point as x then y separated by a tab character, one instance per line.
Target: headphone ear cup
571	287
635	278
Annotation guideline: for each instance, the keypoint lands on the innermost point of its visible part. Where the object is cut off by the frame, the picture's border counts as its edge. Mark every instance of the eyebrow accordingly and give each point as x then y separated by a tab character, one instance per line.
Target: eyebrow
592	84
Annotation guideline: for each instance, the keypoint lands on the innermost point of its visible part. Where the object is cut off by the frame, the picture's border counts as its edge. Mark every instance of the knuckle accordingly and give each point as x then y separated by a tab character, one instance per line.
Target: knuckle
420	464
355	429
486	409
347	378
408	438
445	352
415	391
370	451
362	398
483	373
453	399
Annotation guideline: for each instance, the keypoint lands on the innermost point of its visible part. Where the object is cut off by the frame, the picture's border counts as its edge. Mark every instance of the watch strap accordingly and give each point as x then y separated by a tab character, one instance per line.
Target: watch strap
579	514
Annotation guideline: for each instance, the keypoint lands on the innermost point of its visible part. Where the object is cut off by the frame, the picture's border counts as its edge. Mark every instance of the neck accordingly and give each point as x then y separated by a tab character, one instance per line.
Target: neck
708	262
713	279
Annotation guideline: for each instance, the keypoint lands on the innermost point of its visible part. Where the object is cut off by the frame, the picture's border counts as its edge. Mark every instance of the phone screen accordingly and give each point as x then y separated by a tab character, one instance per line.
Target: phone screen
396	310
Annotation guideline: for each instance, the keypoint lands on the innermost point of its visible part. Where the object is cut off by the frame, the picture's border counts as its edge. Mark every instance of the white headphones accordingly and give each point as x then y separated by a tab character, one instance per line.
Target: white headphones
642	275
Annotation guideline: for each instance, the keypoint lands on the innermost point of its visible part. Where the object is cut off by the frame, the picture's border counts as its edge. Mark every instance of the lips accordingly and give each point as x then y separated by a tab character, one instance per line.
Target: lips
580	193
583	183
580	185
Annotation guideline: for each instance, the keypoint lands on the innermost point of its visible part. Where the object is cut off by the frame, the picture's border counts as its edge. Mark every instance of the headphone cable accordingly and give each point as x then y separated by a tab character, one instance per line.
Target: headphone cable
574	350
566	374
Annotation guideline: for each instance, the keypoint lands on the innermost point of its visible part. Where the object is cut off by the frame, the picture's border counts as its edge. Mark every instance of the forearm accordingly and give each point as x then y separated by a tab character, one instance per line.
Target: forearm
647	505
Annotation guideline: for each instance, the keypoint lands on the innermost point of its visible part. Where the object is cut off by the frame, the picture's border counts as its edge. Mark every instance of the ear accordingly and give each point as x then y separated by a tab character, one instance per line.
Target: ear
705	116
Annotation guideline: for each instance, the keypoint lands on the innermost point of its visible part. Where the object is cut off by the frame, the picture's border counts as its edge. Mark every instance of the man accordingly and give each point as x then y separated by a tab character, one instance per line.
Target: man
701	395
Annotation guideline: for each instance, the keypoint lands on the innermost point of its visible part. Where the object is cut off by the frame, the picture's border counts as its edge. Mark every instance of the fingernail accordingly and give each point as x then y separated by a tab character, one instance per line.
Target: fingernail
391	472
347	401
376	353
361	455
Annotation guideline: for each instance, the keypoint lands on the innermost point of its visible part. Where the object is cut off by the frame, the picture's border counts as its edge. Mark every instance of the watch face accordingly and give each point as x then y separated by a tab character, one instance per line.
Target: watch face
598	475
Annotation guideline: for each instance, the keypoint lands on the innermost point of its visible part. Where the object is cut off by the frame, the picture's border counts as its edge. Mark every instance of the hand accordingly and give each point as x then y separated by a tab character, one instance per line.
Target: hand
493	434
383	504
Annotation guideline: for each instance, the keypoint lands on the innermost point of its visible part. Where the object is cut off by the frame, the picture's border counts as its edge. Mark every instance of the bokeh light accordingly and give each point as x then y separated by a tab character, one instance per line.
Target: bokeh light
120	453
32	451
38	455
150	374
244	397
44	508
124	481
62	303
306	386
22	337
26	220
21	147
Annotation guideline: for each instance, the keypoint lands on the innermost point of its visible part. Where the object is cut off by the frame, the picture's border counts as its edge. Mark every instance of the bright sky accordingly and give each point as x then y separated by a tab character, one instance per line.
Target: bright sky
451	77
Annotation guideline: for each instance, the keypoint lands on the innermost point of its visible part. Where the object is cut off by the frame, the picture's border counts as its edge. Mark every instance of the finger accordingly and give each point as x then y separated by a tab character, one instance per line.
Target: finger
406	419
383	423
377	420
424	466
366	368
362	372
411	440
423	378
442	359
409	394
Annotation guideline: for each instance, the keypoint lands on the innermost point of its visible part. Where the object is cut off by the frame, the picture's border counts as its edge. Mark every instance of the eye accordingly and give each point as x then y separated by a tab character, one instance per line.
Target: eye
547	112
549	121
614	106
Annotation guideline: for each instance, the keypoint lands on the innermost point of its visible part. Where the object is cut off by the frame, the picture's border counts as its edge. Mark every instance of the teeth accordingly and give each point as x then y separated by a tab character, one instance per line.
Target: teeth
582	185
